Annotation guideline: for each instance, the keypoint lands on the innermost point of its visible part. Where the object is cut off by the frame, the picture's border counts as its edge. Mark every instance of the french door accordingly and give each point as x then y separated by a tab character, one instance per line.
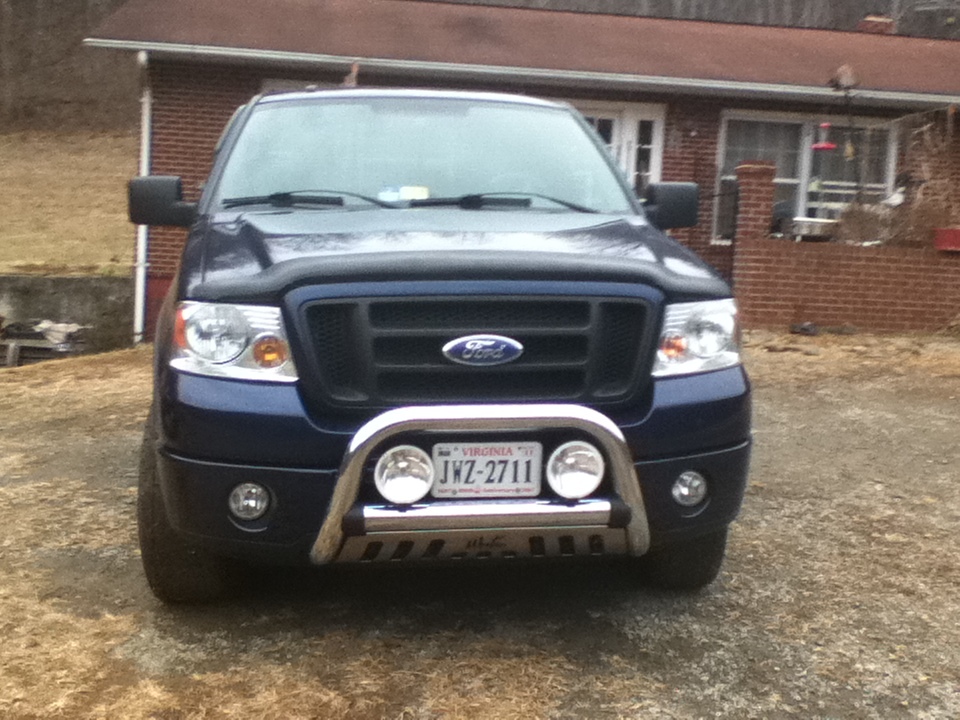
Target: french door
634	135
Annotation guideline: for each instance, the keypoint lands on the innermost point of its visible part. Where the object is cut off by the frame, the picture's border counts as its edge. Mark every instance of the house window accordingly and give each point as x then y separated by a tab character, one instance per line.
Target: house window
856	169
634	135
808	183
776	142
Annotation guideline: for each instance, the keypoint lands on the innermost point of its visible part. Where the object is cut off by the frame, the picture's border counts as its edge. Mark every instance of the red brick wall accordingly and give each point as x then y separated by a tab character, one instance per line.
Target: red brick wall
887	289
884	289
191	104
755	191
692	131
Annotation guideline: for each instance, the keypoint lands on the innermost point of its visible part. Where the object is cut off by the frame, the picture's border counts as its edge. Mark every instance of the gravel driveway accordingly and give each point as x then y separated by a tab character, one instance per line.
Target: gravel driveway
839	597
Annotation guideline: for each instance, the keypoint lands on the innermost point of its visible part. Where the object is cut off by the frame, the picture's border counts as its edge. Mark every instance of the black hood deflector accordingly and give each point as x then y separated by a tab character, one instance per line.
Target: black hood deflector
258	257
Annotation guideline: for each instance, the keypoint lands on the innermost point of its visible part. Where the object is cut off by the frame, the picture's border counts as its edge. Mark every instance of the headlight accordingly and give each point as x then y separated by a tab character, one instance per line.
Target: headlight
215	333
697	337
245	342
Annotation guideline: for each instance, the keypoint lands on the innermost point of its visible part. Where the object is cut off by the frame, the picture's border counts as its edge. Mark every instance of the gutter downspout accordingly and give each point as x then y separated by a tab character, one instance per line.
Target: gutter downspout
146	139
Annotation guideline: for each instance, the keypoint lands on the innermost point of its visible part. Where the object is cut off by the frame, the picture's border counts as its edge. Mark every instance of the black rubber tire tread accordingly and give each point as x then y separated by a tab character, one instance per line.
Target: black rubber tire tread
177	572
689	566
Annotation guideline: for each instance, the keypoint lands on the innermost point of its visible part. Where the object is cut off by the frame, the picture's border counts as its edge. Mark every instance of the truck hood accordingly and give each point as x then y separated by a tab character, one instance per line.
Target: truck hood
258	256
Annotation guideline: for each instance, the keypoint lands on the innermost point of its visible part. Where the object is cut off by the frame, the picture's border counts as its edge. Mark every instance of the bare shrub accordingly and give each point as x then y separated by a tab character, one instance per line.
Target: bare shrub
913	224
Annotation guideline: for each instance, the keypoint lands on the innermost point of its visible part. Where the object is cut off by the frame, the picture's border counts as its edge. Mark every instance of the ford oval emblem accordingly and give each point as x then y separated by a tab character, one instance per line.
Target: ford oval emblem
481	350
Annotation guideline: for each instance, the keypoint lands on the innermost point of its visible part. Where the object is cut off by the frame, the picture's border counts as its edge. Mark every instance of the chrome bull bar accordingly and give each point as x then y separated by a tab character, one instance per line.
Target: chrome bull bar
580	518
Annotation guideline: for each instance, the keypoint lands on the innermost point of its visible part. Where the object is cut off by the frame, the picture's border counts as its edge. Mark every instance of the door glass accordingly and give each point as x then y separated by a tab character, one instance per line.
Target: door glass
632	139
644	156
607	128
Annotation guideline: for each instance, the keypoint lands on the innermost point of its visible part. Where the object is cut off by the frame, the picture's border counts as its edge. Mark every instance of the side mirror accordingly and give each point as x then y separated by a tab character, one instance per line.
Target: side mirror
672	204
158	200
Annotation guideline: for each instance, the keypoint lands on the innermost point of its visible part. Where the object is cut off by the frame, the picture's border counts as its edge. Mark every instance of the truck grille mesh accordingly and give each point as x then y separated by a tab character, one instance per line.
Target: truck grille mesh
379	352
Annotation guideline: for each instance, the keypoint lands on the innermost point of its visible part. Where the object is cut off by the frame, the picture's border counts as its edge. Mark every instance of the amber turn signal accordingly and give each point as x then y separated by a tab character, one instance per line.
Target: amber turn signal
673	346
269	351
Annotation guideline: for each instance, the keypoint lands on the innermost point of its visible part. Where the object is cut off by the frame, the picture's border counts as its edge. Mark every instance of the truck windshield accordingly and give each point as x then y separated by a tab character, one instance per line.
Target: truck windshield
403	151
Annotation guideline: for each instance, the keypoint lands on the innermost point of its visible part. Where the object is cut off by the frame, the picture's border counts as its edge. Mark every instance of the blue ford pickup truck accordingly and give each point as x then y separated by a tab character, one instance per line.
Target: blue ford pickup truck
415	326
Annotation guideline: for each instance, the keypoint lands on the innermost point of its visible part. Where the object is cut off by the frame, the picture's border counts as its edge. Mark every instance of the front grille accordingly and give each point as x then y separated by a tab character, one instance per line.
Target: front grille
480	315
378	352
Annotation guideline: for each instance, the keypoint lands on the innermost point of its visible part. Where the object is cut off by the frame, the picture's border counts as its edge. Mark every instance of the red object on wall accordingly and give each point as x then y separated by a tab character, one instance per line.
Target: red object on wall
947	239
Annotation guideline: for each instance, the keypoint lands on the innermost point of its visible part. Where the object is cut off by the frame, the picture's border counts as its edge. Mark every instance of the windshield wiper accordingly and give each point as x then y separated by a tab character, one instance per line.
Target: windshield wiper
476	201
331	198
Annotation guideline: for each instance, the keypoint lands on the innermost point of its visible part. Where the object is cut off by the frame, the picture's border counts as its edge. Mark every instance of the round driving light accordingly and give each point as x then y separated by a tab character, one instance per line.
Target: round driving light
575	469
404	474
249	501
690	488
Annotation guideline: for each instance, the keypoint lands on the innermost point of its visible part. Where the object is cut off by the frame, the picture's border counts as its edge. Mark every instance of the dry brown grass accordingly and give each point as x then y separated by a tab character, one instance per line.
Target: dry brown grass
838	598
472	679
63	203
790	359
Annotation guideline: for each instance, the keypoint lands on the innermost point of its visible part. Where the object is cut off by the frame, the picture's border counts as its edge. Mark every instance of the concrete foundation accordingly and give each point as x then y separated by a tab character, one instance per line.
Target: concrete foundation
105	304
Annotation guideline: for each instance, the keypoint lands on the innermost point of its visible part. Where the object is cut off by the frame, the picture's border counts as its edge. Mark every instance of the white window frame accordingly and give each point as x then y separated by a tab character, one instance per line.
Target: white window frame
626	117
809	125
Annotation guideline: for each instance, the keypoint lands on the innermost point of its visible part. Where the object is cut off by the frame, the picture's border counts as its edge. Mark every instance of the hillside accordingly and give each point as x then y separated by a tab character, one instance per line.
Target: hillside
64	202
48	79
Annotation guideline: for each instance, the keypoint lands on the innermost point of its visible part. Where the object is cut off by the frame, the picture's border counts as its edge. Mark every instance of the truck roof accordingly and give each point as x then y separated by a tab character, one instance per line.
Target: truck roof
412	93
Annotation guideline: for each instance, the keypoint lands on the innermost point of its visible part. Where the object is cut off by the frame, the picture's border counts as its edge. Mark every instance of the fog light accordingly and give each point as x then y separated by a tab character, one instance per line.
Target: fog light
575	469
690	488
404	474
249	501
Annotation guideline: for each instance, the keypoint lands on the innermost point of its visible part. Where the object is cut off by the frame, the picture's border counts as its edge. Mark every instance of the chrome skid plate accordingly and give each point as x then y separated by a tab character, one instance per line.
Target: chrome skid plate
503	544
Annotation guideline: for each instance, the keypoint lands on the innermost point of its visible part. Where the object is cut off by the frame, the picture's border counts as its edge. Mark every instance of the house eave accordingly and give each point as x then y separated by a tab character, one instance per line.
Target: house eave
539	76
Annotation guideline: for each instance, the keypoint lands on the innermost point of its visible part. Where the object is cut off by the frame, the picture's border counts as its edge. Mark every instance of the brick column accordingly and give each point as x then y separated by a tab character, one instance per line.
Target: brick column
755	200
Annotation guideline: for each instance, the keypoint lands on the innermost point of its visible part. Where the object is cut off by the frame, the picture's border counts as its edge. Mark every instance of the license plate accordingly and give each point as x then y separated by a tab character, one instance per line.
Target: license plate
484	470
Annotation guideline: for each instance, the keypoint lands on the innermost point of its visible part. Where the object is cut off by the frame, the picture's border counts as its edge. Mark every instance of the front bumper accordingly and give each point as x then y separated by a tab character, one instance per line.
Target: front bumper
321	514
448	519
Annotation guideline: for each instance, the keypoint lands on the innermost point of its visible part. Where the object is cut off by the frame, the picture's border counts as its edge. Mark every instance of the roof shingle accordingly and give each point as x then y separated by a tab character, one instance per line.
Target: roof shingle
687	54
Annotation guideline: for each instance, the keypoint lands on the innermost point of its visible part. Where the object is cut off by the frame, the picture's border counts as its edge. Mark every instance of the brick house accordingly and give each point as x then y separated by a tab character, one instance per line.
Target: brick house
675	100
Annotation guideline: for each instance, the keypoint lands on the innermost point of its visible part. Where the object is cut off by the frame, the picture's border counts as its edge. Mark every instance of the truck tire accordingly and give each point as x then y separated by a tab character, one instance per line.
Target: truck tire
686	566
176	571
